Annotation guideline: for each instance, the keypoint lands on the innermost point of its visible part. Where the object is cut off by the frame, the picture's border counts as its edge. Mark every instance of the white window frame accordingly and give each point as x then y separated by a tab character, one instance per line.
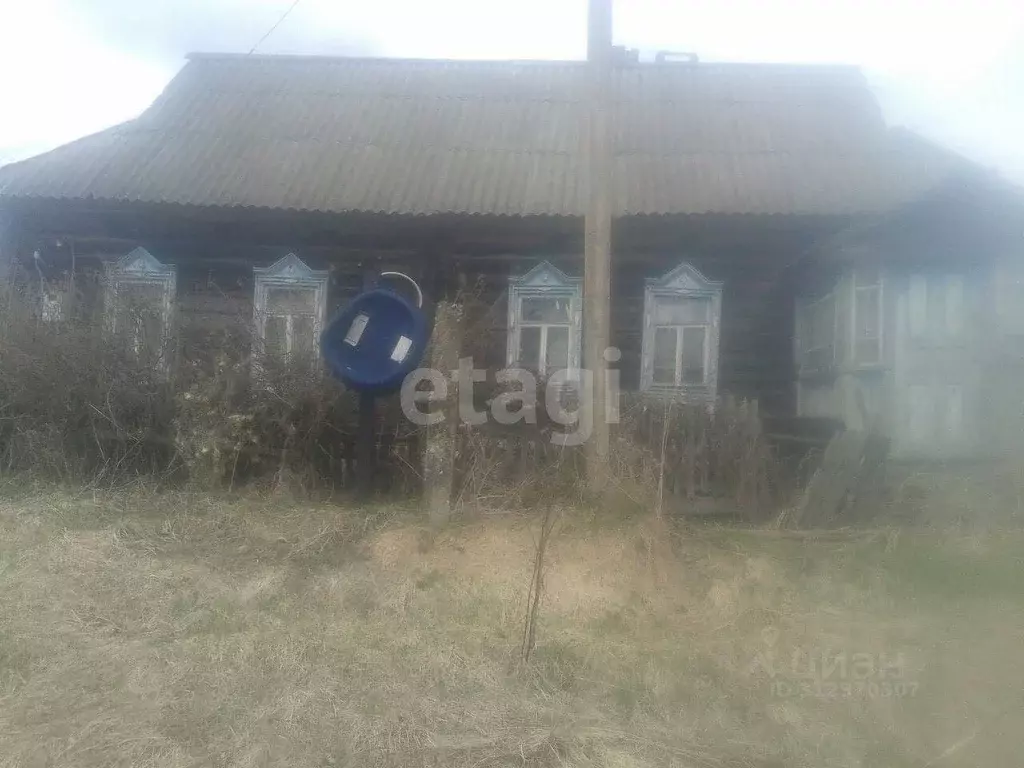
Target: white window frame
841	319
923	326
548	282
288	272
858	288
686	282
140	267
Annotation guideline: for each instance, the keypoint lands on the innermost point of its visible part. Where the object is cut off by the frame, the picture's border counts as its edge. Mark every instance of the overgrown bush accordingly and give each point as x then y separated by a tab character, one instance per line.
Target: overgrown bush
698	459
79	405
75	404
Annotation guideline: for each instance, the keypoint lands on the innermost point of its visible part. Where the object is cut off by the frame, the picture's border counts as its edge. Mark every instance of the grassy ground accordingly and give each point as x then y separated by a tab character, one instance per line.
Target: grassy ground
181	630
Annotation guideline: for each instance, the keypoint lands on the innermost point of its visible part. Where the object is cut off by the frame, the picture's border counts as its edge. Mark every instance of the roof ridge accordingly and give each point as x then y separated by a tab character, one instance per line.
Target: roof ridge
395	60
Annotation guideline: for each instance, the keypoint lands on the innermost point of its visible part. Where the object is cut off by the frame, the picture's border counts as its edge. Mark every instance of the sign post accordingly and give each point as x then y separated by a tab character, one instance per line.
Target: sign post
371	346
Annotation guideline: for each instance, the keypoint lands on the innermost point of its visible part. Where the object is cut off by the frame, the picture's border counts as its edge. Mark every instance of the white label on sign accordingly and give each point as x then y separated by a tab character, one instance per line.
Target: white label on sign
401	349
355	331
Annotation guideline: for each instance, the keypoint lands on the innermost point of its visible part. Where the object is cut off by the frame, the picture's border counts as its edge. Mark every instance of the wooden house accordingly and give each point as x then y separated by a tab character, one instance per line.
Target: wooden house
275	187
911	322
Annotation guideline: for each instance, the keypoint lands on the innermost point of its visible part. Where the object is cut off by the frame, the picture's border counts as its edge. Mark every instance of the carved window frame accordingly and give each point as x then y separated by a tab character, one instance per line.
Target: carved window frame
292	273
140	268
544	281
686	282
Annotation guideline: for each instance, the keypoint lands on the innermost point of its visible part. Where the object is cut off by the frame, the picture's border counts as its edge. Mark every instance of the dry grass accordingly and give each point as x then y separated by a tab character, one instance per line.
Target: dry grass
186	630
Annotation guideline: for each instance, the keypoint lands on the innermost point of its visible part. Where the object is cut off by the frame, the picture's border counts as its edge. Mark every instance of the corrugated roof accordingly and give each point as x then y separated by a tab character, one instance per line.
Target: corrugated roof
429	136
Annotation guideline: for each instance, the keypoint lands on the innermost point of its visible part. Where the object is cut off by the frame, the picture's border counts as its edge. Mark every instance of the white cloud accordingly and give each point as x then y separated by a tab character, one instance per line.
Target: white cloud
57	85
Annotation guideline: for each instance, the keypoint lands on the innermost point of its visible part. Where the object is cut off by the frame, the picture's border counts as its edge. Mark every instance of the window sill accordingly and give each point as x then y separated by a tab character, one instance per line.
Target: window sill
688	392
828	373
938	342
866	368
835	371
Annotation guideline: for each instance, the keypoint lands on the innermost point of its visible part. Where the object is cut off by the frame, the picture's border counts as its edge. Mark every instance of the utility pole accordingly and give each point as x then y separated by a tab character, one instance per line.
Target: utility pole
598	157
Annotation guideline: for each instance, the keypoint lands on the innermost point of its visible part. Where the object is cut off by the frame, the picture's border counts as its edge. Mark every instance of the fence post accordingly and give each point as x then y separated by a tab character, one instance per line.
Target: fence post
441	438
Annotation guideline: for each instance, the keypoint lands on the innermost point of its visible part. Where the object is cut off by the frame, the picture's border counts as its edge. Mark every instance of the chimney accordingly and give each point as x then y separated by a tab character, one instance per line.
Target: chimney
675	57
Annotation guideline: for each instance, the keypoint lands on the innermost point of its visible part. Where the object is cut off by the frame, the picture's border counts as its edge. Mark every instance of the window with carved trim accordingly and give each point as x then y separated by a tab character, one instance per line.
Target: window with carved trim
289	306
682	311
139	301
544	321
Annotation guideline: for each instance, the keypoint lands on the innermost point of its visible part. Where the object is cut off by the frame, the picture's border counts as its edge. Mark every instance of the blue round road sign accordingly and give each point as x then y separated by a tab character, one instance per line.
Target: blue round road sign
375	341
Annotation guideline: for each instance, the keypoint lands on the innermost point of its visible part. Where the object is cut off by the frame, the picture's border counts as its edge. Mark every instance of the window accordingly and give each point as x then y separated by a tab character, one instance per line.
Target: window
817	333
936	306
867	317
680	340
139	302
289	304
843	327
544	321
1009	297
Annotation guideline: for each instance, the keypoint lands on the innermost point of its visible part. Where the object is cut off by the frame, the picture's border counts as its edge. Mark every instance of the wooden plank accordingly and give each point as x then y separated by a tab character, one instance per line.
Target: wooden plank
827	492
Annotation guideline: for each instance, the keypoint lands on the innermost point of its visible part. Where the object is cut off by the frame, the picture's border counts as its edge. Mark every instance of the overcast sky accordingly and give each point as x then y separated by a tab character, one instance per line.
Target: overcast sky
952	69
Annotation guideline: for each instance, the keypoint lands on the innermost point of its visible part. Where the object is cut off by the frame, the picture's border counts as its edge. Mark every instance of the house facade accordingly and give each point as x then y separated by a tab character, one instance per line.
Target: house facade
266	191
911	325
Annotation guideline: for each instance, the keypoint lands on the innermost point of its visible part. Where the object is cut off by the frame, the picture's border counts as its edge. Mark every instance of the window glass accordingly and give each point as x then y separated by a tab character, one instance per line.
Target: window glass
132	293
824	327
868	328
140	316
821	333
936	319
954	305
693	355
275	336
150	324
529	347
843	321
665	356
1010	297
537	309
680	340
681	310
557	354
918	301
303	337
291	300
936	306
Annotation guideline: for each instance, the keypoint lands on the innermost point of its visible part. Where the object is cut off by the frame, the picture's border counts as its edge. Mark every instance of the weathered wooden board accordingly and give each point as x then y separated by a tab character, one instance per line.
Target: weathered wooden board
830	486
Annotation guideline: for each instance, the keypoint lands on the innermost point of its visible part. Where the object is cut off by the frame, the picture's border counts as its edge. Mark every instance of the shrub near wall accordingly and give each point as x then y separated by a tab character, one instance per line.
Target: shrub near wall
77	406
74	405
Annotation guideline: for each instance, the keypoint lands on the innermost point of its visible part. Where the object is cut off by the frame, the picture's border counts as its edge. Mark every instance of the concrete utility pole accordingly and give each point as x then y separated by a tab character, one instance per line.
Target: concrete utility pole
598	157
